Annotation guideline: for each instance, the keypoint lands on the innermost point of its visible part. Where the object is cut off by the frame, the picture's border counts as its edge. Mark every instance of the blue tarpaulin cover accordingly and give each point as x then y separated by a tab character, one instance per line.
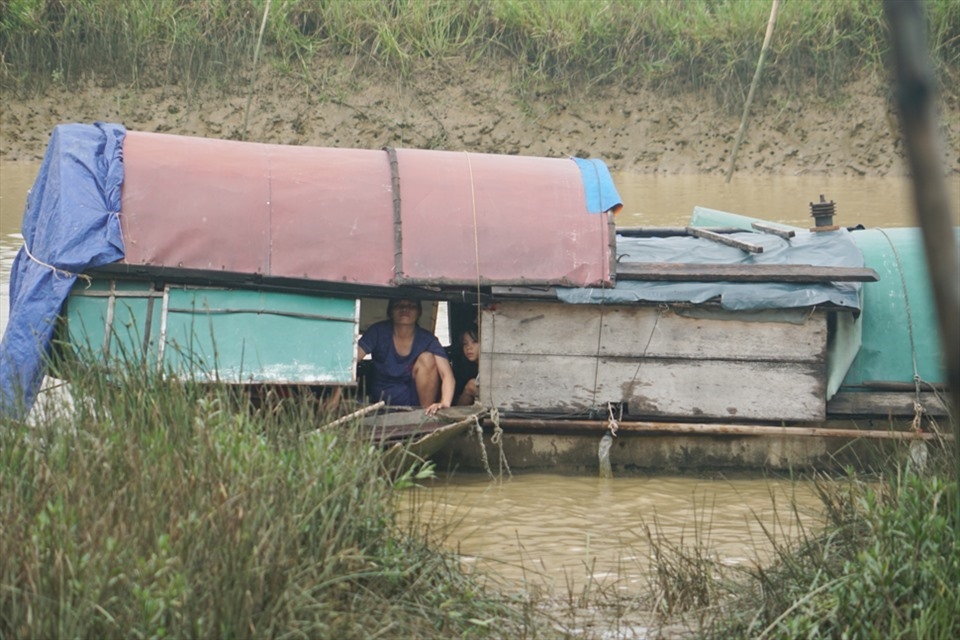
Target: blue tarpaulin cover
71	223
598	186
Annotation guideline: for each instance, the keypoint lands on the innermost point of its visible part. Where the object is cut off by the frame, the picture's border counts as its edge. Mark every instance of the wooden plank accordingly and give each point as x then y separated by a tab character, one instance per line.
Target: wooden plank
666	232
713	334
694	272
706	234
884	404
543	328
656	388
539	327
777	231
549	293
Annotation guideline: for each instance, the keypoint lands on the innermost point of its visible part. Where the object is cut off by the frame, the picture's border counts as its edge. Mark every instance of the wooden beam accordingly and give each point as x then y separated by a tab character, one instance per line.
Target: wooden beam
885	404
722	239
777	231
549	293
666	232
695	272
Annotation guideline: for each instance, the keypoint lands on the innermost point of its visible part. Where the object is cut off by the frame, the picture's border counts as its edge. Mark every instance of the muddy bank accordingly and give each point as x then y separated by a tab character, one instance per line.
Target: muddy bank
633	130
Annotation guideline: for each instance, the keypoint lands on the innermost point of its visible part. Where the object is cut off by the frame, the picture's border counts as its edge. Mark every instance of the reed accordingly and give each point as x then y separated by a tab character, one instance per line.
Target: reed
138	506
674	45
883	565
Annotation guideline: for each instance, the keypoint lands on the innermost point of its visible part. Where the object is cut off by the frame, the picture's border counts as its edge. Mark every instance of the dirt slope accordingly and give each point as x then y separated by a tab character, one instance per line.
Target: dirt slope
478	110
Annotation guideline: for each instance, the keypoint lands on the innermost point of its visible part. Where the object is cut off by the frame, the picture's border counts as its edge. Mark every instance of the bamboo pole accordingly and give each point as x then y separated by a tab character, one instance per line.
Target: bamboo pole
753	86
916	89
359	413
715	429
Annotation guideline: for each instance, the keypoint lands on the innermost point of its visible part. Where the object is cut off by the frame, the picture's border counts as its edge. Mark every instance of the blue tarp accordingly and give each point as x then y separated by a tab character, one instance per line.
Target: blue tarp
70	224
598	186
833	248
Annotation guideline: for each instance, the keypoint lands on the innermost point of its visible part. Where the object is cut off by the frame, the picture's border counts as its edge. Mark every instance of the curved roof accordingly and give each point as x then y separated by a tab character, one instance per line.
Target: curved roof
367	217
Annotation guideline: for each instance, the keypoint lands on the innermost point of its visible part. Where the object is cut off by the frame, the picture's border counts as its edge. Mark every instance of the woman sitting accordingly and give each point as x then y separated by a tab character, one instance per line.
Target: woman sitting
410	367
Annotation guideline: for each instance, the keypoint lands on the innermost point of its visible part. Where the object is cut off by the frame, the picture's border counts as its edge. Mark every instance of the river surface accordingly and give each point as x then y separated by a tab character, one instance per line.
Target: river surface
555	530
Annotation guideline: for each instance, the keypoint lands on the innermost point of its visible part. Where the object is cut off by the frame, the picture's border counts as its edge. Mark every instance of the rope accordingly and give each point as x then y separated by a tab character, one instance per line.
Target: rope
59	273
497	439
656	321
613	423
918	409
478	430
476	237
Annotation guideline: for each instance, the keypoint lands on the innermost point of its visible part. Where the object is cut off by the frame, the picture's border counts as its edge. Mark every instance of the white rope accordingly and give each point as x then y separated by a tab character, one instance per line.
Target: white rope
477	429
497	439
613	423
59	273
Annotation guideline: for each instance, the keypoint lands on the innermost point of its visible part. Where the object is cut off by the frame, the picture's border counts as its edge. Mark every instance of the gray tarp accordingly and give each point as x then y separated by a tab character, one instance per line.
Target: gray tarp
831	248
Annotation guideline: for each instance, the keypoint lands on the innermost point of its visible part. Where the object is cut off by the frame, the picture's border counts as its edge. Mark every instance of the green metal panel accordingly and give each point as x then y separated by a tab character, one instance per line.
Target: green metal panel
252	336
114	321
206	333
899	314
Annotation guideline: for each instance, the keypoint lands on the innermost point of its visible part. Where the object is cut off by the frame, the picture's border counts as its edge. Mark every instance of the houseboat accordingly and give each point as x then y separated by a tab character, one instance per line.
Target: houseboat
729	343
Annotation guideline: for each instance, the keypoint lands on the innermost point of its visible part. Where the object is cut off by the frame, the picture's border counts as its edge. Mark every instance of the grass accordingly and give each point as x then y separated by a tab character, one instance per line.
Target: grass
884	565
675	45
144	508
140	506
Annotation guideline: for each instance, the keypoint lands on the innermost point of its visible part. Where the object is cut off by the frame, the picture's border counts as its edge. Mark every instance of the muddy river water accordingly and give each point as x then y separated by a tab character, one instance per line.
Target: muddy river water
554	530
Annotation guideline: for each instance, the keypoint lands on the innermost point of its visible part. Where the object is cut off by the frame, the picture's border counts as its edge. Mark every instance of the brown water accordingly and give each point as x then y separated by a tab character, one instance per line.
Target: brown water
559	532
555	530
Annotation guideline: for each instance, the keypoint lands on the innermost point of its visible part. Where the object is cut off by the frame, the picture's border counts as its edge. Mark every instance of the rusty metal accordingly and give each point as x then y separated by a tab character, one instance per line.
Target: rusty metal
822	213
334	215
718	429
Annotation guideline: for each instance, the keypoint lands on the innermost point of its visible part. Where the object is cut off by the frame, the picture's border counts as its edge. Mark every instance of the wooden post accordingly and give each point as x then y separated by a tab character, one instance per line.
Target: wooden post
753	85
916	90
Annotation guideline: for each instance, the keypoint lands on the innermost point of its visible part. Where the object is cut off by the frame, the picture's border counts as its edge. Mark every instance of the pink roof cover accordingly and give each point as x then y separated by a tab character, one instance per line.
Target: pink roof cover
331	214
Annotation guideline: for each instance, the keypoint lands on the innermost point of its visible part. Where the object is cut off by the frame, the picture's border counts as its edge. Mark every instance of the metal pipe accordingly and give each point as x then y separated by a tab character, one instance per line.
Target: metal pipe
712	429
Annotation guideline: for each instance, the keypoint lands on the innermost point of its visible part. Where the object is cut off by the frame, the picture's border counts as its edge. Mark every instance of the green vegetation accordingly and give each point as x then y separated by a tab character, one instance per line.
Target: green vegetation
709	45
146	508
884	565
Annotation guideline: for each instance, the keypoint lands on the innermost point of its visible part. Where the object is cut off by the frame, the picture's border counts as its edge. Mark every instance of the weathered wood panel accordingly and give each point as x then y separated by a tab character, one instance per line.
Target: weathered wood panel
885	404
541	356
655	387
533	327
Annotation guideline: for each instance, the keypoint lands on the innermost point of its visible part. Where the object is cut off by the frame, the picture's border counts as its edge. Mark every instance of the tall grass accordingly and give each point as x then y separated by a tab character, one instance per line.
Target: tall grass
708	45
884	565
138	507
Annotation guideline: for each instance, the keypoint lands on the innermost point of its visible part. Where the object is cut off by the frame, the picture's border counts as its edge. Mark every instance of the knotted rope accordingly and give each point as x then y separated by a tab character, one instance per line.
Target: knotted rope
57	272
478	430
497	439
613	423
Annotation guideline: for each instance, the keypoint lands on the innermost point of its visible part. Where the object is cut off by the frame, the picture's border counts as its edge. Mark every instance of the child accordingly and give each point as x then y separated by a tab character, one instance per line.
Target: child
468	367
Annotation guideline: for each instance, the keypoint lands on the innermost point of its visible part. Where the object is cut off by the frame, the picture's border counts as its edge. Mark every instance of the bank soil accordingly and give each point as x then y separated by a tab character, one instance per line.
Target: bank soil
637	130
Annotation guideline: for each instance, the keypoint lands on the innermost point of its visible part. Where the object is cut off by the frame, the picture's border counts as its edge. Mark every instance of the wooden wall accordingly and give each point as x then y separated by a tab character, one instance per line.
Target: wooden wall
660	361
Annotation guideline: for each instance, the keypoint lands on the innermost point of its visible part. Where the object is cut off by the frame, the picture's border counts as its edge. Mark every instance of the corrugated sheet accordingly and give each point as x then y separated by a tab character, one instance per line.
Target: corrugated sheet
329	214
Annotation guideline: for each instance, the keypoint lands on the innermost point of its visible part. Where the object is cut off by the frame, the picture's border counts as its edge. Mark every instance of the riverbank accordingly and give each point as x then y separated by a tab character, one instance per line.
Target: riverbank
456	105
